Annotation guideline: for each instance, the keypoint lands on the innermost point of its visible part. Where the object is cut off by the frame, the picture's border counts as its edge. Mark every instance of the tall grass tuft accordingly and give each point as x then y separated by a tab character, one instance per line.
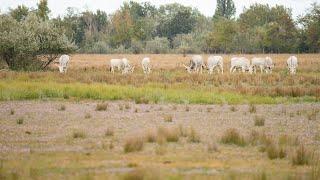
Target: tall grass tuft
78	134
252	108
169	134
274	151
12	111
193	136
20	121
259	121
301	156
232	136
168	118
62	108
133	144
109	132
102	107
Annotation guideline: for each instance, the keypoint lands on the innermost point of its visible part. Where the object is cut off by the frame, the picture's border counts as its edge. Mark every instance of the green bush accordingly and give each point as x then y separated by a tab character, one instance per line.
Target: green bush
31	44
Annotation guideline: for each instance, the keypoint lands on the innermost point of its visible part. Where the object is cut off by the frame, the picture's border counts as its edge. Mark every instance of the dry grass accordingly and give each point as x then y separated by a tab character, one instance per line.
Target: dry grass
87	116
168	118
213	147
312	115
151	136
62	108
109	132
20	121
102	107
274	151
182	131
233	109
301	156
252	108
259	121
169	134
193	136
78	134
232	136
133	144
127	106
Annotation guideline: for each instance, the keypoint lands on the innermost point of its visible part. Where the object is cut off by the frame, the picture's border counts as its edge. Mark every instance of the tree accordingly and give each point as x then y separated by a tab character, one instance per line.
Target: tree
225	8
222	36
310	34
267	29
43	10
20	13
31	44
175	19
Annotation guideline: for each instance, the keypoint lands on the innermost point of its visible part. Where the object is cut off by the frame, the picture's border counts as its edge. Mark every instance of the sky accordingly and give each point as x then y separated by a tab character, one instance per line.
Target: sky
207	7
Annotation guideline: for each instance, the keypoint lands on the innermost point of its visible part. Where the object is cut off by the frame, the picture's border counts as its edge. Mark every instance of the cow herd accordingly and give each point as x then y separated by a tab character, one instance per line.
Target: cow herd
197	65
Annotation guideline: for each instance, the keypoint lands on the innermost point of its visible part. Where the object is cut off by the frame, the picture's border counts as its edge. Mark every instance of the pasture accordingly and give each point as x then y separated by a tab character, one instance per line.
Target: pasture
92	124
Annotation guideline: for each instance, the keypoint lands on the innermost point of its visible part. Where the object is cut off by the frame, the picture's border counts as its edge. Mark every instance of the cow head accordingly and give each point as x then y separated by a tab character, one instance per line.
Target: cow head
292	70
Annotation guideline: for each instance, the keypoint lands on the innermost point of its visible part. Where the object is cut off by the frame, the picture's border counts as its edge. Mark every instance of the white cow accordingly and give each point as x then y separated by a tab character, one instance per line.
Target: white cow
122	65
146	65
215	62
196	64
63	63
116	63
292	64
265	64
242	63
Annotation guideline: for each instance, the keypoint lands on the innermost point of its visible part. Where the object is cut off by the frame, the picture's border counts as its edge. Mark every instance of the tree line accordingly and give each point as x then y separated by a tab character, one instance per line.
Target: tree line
145	28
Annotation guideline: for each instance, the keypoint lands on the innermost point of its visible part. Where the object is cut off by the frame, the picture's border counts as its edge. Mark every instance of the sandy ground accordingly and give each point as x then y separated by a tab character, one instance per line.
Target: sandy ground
43	146
49	128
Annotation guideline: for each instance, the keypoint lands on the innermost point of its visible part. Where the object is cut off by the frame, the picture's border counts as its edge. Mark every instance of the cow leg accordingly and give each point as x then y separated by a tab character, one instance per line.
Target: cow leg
231	69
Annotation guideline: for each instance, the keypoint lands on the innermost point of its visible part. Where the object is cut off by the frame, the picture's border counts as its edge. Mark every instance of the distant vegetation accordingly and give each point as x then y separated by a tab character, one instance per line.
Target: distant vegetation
145	28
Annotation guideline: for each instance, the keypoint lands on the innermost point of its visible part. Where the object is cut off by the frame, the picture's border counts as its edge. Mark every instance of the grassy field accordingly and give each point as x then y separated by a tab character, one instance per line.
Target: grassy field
88	78
91	124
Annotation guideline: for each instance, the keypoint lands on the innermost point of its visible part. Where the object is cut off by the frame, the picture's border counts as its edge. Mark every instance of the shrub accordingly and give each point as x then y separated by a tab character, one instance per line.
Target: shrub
187	108
78	134
133	144
252	108
193	136
158	45
232	136
301	156
109	132
12	112
168	118
102	107
20	121
62	108
31	44
259	121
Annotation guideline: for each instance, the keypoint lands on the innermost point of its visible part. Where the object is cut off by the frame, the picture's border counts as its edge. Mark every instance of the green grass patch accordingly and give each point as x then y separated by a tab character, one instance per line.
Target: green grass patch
27	90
